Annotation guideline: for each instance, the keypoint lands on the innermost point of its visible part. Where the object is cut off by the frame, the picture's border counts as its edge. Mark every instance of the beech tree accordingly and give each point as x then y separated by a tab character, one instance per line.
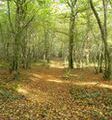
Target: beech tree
103	31
73	13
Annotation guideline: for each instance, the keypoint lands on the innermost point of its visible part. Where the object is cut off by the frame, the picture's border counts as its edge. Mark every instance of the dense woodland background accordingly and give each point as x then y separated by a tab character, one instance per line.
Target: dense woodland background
78	32
74	36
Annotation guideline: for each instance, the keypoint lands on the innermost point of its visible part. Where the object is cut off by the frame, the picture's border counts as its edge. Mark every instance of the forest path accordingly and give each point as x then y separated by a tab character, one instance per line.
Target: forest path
51	87
59	94
53	81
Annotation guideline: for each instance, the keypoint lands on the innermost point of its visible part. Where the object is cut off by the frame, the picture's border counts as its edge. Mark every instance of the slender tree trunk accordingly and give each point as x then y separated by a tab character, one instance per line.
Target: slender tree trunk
71	39
103	30
46	45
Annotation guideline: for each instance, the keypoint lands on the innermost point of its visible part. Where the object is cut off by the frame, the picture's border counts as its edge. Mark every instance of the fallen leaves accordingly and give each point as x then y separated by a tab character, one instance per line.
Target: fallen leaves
34	97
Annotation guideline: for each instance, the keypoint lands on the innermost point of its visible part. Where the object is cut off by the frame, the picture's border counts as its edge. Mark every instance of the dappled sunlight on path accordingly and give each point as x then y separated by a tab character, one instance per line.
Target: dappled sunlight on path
92	84
22	91
56	64
34	95
50	92
51	77
46	84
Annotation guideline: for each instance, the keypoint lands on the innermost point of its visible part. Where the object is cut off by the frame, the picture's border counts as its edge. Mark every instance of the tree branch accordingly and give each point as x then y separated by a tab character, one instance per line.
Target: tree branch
62	32
9	17
97	18
27	24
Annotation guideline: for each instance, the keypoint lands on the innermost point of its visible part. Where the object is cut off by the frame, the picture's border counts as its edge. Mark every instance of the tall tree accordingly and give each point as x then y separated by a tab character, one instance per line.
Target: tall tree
73	13
18	30
103	31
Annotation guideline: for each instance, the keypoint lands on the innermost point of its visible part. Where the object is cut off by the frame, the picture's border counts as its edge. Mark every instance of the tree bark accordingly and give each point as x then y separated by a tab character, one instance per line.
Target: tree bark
103	30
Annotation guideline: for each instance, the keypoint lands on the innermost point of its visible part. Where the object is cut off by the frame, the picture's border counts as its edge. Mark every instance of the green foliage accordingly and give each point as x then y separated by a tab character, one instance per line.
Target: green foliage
81	93
9	94
44	31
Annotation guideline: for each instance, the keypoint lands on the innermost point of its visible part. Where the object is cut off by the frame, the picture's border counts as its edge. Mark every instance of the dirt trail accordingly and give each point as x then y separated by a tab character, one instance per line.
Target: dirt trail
47	96
48	86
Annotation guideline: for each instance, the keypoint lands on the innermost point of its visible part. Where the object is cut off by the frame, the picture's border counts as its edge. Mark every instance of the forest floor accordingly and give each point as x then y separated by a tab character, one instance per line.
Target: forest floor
55	93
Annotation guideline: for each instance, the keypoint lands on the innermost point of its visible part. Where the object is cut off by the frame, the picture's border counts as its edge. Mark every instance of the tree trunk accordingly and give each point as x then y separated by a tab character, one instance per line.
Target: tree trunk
103	30
71	39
